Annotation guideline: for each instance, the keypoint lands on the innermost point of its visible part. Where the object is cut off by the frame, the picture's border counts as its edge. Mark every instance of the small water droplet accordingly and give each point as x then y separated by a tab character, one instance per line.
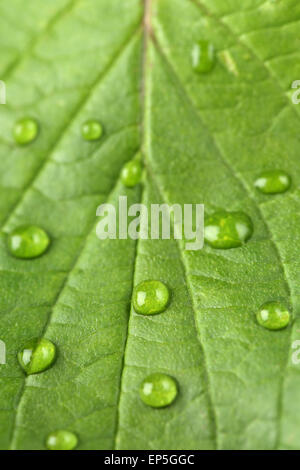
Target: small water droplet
92	130
25	131
224	230
273	316
131	173
273	182
158	390
61	440
28	242
203	56
37	355
150	297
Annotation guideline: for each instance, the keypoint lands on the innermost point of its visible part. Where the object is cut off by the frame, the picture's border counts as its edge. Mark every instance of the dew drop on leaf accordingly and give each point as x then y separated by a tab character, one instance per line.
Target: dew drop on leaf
273	182
158	390
273	316
131	173
37	355
25	131
28	241
224	230
92	130
203	56
61	440
150	297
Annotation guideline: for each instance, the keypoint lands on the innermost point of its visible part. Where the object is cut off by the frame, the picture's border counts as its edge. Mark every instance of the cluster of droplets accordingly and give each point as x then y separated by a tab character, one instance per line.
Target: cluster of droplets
226	230
26	130
29	242
223	230
152	297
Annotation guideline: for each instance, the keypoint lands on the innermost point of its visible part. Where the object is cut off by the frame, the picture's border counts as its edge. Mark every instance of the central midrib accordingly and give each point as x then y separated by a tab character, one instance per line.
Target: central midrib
148	36
146	24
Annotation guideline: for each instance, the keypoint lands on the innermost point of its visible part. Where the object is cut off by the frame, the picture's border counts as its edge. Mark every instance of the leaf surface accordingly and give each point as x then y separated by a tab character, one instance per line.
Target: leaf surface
204	140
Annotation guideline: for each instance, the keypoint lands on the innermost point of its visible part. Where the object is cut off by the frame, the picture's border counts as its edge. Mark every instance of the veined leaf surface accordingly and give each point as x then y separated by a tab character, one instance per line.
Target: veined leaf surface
204	139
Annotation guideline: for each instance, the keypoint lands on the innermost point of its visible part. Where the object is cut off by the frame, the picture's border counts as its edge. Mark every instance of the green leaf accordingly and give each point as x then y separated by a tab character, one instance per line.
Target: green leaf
205	138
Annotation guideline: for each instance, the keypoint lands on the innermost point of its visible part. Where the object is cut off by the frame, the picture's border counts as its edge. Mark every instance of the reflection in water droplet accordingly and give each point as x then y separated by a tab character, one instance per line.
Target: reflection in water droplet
273	182
61	440
92	130
28	242
224	230
150	297
203	56
158	390
25	131
37	355
273	316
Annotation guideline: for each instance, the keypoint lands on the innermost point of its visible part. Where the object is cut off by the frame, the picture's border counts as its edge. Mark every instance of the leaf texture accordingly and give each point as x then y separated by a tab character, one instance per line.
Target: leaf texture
204	140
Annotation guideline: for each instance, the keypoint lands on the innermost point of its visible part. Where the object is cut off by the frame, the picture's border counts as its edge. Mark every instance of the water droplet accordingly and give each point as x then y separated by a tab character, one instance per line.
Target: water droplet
273	316
92	130
150	297
61	440
131	173
273	182
28	241
25	131
37	355
226	230
203	56
158	390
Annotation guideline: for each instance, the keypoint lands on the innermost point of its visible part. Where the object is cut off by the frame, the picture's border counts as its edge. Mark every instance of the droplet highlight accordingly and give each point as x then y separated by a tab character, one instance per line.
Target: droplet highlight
203	56
92	130
37	355
28	242
273	182
131	173
273	316
225	230
158	390
150	297
25	131
61	440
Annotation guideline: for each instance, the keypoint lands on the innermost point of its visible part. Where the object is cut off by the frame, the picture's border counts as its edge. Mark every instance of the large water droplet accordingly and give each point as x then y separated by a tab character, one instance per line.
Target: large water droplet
203	56
150	297
28	241
273	316
37	355
92	130
131	173
226	230
25	131
158	390
61	440
273	182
